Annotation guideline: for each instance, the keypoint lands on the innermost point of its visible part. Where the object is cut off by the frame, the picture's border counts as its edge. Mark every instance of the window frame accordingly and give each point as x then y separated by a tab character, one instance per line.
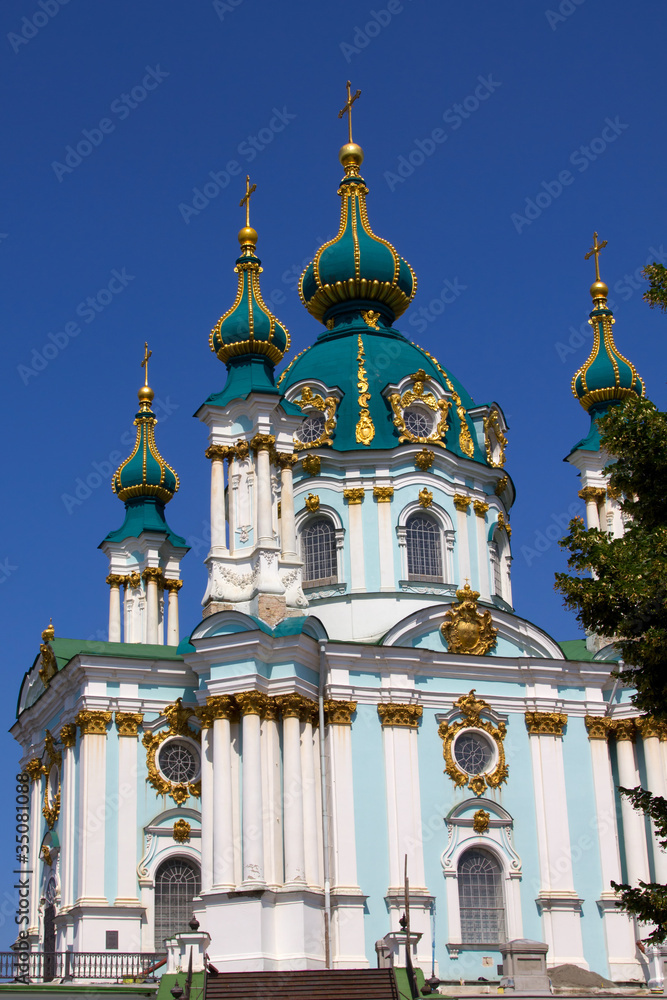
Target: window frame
309	523
500	895
425	577
171	859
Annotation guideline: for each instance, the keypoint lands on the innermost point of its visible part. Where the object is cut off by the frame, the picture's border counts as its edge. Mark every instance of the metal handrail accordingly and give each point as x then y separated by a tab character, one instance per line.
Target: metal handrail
45	966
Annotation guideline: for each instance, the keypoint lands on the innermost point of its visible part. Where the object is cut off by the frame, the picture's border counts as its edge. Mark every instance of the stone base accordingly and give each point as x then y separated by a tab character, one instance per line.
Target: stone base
271	608
213	607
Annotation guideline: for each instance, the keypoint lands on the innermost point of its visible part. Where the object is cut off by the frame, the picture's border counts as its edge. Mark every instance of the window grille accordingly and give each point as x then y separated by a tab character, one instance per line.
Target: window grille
497	576
312	428
177	882
424	549
472	753
481	899
178	761
318	542
418	423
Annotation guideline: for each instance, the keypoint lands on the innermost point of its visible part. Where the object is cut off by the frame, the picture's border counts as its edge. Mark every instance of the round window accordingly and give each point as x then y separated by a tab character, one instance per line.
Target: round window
473	752
312	428
418	423
179	761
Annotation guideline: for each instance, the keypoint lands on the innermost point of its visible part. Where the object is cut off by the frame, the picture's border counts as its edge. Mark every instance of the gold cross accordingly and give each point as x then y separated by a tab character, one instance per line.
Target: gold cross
595	249
144	363
245	200
348	108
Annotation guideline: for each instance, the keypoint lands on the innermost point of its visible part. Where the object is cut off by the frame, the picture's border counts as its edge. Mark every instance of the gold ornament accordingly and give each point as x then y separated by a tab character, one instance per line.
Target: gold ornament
592	494
173	586
252	702
624	729
480	821
68	735
425	498
128	723
93	723
465	439
181	831
177	716
395	714
424	459
34	769
501	485
494	435
383	494
312	502
47	856
339	713
465	629
55	756
471	710
51	808
399	405
217	452
328	406
597	726
311	464
371	318
49	667
480	507
365	431
462	502
546	723
263	442
355	495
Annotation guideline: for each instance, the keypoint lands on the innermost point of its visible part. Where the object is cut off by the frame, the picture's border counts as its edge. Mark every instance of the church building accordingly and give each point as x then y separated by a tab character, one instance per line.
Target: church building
360	689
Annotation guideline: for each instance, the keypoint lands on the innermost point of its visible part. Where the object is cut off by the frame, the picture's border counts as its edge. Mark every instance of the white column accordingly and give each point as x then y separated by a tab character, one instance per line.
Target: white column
262	443
127	724
92	806
618	926
150	576
114	582
462	503
67	812
383	495
173	633
207	799
356	543
656	783
480	508
272	798
290	707
559	903
312	838
34	769
591	496
222	709
287	520
252	704
634	834
217	454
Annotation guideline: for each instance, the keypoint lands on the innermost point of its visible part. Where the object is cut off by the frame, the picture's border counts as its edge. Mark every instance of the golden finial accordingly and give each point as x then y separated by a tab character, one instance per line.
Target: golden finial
348	109
351	155
48	632
146	393
247	235
599	290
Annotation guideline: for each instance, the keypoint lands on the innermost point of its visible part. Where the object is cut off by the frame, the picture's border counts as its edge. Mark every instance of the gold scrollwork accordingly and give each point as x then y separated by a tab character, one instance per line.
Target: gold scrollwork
597	726
312	464
339	713
495	456
462	502
93	723
178	716
312	502
424	459
480	507
425	498
354	495
480	821
55	756
68	735
365	430
546	723
128	723
400	404
501	485
465	438
395	714
383	494
471	710
328	407
34	769
467	630
181	831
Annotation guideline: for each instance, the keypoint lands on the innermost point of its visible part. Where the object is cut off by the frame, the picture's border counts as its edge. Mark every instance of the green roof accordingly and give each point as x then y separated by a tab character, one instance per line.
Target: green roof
575	649
145	514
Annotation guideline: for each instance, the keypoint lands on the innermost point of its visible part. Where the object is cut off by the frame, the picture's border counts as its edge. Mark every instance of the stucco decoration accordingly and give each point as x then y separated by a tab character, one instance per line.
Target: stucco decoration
470	711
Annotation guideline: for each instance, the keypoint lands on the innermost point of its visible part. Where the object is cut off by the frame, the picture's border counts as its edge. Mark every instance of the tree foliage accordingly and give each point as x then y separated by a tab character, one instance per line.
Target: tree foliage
656	293
619	590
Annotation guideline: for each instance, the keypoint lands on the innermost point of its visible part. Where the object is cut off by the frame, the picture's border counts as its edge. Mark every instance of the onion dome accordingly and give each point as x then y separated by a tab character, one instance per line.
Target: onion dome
606	376
356	266
145	473
249	327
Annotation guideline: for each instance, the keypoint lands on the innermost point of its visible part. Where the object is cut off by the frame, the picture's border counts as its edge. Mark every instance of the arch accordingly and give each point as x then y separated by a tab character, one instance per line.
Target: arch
481	897
177	882
500	559
317	539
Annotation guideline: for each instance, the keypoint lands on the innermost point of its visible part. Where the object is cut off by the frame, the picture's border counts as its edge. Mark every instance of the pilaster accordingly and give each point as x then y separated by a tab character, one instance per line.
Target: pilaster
92	806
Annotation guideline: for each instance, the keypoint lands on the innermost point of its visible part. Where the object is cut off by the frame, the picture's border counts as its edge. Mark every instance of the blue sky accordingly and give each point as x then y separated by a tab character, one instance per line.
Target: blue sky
498	137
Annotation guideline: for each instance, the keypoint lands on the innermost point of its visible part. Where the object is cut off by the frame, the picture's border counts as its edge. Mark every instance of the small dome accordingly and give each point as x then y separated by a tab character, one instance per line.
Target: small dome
356	266
249	327
145	473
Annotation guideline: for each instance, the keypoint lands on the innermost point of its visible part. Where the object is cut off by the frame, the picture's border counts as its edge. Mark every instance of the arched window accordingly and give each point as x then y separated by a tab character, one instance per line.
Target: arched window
494	554
177	882
424	547
318	550
481	898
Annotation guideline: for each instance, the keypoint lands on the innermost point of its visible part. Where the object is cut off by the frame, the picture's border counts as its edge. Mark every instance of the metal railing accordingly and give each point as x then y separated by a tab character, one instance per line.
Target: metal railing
44	966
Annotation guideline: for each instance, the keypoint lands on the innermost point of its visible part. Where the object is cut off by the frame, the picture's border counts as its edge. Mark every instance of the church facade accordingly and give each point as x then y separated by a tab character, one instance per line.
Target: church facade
360	696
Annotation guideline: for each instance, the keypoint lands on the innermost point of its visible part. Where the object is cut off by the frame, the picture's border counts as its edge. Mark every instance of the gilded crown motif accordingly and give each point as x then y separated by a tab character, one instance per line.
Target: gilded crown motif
467	630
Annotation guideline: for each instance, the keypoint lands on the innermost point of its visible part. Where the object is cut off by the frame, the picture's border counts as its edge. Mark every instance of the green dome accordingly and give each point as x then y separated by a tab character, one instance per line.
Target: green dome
145	473
361	362
606	376
249	327
356	266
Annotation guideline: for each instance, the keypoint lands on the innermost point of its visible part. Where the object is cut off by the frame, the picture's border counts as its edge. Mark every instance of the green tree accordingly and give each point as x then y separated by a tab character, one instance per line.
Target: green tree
619	589
656	293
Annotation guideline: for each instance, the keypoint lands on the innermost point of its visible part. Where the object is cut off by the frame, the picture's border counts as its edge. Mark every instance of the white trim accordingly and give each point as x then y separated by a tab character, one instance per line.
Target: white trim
446	531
